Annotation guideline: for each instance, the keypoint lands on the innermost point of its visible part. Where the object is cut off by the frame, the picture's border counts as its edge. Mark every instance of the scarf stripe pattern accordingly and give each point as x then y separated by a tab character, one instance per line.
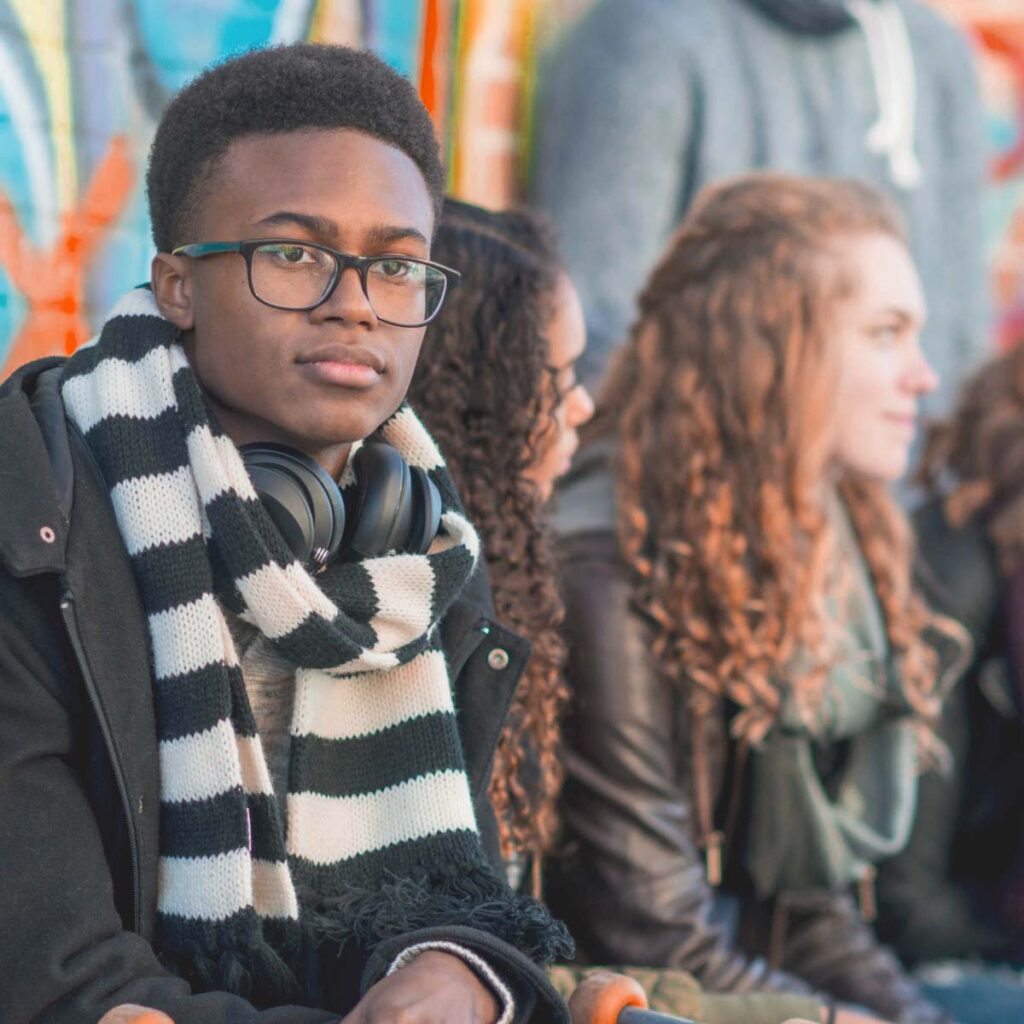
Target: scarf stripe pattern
377	785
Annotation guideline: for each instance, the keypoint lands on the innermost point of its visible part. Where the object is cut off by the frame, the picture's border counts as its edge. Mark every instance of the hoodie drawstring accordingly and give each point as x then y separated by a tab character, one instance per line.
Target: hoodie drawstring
892	64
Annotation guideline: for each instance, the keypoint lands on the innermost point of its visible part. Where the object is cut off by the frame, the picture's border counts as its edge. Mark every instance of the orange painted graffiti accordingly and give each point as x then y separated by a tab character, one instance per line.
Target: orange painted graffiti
1006	42
53	282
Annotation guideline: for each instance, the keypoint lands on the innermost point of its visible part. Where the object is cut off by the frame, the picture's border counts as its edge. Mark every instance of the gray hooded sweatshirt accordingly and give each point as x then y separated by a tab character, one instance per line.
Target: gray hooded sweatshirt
642	102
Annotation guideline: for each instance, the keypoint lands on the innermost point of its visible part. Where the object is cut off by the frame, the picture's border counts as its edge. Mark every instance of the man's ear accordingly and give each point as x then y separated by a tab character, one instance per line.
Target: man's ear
171	279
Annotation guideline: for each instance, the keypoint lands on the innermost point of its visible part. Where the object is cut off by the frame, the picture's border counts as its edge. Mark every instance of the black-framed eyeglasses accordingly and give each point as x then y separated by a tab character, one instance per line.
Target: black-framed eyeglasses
296	275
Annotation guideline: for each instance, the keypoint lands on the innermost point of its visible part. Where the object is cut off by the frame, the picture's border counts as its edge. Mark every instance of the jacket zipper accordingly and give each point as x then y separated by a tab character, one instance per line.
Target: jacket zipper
67	610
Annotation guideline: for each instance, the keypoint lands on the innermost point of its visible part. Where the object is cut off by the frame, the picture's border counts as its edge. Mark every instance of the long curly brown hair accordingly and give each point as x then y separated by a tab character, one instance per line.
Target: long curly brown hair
483	387
977	455
722	402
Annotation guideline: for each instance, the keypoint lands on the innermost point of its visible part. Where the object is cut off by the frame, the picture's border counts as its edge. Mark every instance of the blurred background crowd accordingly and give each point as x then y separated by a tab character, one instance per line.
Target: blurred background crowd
83	83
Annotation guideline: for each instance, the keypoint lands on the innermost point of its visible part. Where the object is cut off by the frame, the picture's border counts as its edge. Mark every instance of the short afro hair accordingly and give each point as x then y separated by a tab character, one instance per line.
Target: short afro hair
301	86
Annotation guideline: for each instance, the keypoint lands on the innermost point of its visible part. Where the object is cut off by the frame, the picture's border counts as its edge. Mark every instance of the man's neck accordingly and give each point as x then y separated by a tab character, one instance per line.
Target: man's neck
243	428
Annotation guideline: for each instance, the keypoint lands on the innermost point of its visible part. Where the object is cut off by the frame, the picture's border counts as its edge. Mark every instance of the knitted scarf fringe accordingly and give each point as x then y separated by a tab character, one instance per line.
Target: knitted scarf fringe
257	973
456	895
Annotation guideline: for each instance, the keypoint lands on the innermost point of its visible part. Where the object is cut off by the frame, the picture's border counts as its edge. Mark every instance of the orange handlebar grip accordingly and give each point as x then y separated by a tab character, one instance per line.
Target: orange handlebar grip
602	996
130	1013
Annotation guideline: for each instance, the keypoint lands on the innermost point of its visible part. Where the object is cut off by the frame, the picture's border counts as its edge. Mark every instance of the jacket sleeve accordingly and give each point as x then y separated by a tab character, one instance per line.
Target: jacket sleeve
833	948
64	955
536	999
614	121
632	884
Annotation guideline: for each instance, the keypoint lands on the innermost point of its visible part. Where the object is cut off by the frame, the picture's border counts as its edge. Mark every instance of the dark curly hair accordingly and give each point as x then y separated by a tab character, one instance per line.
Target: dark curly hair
480	389
976	457
280	89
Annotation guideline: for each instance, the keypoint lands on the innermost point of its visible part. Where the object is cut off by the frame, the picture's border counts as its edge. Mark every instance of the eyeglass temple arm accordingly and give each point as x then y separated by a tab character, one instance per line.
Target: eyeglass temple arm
206	248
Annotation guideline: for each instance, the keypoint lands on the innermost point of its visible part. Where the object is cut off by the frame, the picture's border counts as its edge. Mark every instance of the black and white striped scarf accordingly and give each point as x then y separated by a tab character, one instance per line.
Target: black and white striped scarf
377	790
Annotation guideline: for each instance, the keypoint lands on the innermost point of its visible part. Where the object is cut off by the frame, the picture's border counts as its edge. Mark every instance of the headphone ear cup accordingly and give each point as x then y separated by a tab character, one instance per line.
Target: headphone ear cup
426	520
378	506
287	504
300	497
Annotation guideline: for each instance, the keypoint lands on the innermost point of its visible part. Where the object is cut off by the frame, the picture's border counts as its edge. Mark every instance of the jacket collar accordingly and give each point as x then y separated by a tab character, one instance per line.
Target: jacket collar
33	525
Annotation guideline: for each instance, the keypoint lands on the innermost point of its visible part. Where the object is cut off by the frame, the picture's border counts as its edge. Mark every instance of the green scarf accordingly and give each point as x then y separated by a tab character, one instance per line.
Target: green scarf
804	834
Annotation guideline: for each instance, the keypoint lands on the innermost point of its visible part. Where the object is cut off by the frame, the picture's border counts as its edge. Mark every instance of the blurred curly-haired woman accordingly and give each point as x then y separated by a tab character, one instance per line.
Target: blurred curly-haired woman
755	682
495	383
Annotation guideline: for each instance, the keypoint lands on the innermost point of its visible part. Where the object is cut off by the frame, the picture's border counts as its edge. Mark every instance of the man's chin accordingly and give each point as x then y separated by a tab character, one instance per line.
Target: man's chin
318	434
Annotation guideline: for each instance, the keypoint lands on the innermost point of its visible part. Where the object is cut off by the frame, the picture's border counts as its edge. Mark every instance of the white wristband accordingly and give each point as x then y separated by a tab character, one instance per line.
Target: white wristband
479	965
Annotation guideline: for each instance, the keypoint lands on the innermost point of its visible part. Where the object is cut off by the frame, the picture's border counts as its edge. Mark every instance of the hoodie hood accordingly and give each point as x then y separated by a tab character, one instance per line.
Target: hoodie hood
807	17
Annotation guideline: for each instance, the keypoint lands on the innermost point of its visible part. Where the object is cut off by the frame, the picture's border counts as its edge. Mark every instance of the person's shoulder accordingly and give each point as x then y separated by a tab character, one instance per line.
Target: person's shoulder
660	12
660	26
585	499
18	399
956	569
31	517
922	15
937	40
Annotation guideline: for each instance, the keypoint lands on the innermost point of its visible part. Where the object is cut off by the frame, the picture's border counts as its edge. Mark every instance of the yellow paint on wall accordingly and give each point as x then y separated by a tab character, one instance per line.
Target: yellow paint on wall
337	21
44	27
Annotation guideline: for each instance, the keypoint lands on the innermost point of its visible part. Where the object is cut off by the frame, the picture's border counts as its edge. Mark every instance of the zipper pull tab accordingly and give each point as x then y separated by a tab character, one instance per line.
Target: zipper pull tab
248	828
713	857
866	889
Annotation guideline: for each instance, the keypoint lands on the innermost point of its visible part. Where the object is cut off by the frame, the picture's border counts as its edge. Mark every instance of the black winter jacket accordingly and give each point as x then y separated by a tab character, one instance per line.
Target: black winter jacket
79	775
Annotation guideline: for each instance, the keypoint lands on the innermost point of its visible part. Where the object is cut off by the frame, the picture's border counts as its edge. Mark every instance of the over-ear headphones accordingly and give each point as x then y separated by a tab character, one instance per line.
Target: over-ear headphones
392	506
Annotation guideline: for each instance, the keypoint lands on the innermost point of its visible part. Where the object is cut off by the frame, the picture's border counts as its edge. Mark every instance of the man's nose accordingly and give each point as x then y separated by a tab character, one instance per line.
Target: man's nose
348	301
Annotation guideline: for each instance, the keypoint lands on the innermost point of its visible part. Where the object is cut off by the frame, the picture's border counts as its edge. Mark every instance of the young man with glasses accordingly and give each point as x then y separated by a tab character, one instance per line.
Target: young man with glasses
232	779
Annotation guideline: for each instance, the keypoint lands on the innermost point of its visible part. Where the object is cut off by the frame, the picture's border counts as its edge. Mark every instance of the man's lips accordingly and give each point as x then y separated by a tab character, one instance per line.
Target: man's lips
343	365
353	355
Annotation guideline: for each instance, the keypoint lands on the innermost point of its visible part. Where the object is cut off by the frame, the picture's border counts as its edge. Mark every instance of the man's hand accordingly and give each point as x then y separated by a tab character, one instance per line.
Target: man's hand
435	988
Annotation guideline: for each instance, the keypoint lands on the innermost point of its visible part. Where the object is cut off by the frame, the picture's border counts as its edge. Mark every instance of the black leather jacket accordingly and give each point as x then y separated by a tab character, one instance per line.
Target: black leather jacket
632	883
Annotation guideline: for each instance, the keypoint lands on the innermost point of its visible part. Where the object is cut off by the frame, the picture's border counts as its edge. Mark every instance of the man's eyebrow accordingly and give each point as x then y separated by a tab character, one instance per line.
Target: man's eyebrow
385	234
324	227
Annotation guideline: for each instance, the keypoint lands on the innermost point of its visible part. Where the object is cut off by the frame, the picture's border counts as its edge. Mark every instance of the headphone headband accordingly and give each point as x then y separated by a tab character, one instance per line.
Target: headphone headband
391	507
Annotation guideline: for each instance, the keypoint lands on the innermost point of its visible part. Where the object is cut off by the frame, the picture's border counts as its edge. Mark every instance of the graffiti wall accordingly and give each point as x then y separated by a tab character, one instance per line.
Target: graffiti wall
997	28
82	84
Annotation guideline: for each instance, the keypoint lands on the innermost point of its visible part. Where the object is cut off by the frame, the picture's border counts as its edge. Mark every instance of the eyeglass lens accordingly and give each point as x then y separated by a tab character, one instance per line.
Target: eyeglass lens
401	291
